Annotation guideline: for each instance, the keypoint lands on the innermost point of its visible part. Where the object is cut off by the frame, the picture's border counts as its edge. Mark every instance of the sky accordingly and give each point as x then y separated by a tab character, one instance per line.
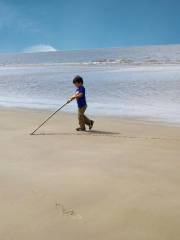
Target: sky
42	25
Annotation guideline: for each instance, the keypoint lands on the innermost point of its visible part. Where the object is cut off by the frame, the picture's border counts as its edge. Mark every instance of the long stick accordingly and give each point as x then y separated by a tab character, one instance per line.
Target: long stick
49	117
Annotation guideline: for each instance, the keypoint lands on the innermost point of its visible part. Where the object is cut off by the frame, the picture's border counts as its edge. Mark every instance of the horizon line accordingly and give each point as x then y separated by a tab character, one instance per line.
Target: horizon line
90	49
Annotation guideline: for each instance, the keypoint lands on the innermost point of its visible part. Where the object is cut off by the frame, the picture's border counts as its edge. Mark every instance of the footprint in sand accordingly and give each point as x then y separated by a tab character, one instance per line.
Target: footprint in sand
68	212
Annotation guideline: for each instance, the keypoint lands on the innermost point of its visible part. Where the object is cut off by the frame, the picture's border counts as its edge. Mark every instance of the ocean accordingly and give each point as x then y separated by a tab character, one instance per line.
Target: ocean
142	82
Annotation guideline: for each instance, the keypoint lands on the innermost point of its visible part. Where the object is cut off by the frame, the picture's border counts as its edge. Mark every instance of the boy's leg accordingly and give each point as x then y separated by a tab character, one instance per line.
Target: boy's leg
81	117
87	120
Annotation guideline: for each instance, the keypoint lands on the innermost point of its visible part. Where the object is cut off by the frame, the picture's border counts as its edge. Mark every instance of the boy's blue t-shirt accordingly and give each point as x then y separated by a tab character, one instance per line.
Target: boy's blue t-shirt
82	100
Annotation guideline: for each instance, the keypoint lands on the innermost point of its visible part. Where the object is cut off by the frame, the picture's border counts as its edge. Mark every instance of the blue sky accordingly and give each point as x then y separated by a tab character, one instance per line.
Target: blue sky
80	24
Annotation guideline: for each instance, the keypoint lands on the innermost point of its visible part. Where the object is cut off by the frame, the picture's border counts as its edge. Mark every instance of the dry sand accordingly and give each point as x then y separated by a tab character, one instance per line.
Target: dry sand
121	181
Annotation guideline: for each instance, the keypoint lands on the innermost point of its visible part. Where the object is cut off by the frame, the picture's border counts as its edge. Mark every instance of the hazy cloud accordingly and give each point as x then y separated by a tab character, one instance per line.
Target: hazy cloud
12	18
40	48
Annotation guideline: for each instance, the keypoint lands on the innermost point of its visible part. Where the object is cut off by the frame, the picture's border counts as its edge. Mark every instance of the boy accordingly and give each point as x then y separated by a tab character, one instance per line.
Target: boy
80	96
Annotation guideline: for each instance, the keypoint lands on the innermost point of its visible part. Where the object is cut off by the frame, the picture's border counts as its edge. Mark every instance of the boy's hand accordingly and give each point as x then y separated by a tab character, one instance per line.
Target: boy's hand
71	99
76	96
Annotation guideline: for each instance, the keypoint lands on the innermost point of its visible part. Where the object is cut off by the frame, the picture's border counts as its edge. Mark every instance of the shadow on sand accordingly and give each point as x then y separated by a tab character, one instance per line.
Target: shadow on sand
105	134
92	132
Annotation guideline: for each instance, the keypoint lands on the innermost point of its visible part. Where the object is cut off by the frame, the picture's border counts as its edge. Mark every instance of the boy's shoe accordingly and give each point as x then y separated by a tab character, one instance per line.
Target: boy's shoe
80	129
91	125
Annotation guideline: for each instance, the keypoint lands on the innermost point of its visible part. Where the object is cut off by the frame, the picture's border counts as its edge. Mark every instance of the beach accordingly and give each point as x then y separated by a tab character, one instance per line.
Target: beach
119	181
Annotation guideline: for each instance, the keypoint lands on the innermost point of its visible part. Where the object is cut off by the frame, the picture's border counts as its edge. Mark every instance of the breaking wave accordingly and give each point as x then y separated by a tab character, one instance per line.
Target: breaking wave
45	54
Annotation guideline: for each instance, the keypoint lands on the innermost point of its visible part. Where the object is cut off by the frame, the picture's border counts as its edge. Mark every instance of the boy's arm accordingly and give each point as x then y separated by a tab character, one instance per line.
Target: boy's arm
76	96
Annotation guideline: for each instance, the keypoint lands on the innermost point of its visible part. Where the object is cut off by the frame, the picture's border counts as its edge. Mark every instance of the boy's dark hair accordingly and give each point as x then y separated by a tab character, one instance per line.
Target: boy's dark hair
78	79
